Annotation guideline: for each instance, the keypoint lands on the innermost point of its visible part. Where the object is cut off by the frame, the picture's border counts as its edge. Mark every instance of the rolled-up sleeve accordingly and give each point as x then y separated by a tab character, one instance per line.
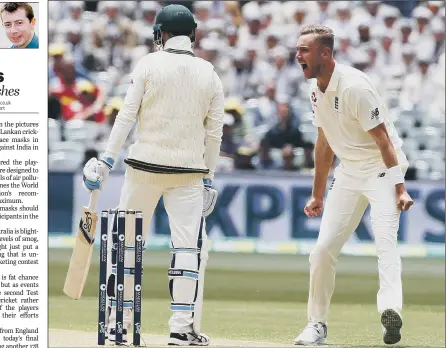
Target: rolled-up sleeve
214	127
129	111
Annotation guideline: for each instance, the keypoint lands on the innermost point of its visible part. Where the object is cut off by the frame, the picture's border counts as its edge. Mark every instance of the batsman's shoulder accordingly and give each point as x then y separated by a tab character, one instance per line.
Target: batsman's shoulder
205	62
144	60
208	67
152	55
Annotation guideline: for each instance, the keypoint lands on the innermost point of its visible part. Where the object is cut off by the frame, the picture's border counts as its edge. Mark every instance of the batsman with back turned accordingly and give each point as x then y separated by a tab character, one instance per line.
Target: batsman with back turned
354	125
177	100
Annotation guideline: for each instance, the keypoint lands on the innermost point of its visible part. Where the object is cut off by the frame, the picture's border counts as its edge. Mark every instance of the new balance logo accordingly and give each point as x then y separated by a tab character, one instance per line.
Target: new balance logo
375	114
336	103
381	175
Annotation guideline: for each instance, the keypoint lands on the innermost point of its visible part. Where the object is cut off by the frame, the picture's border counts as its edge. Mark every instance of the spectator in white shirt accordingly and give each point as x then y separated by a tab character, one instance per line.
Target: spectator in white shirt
268	105
75	44
75	10
408	55
389	15
216	27
441	15
343	20
389	53
235	79
148	10
435	6
111	15
285	76
297	12
323	12
418	87
438	31
232	36
437	109
272	39
202	10
258	71
421	32
252	30
372	49
343	54
272	11
369	11
405	26
363	31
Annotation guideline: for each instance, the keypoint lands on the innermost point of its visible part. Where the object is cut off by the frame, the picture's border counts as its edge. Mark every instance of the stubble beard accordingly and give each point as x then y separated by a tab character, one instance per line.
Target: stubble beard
317	71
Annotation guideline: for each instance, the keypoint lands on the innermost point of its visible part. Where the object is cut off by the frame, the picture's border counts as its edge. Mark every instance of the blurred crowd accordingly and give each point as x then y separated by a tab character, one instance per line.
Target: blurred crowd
93	47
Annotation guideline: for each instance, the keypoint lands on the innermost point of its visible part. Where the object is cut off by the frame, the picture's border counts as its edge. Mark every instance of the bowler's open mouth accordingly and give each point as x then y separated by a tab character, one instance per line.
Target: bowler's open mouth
304	66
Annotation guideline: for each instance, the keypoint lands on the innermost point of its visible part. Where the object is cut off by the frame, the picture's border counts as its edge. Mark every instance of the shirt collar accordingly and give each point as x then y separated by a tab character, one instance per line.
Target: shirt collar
334	79
34	43
182	43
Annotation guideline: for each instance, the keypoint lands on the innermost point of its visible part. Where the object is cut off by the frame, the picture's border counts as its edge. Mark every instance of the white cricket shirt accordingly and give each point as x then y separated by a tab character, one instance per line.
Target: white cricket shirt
178	101
348	109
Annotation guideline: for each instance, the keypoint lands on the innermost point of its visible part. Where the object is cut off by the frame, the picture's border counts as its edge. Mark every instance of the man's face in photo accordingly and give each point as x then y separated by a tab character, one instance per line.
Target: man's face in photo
19	28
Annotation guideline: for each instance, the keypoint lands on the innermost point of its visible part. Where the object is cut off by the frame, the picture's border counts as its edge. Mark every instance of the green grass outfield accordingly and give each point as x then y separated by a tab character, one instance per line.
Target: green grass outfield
263	298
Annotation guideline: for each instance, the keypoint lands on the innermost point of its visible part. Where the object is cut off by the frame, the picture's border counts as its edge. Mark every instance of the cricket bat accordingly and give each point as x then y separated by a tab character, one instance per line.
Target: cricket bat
82	251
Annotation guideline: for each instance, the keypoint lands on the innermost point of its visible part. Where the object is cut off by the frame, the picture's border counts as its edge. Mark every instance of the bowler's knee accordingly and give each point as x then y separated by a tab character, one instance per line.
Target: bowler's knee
321	256
385	221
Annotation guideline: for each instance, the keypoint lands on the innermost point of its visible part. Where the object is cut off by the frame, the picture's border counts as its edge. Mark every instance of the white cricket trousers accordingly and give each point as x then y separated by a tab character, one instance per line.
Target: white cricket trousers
344	207
183	201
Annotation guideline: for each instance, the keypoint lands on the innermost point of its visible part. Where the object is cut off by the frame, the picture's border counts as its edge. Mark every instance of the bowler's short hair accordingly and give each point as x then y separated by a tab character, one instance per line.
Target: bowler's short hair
11	7
324	34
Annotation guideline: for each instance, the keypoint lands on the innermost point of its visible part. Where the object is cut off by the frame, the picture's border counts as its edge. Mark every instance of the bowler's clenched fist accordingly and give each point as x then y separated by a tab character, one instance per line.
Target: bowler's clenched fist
314	207
404	201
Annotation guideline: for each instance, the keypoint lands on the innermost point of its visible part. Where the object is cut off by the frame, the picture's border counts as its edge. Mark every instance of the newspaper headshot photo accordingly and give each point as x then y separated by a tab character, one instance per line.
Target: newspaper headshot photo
19	25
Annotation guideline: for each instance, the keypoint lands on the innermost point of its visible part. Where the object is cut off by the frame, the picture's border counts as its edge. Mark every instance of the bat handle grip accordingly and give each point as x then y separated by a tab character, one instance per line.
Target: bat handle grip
93	199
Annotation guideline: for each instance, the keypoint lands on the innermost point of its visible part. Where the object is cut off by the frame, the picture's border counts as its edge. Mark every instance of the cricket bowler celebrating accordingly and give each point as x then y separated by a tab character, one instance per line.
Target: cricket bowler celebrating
178	101
353	124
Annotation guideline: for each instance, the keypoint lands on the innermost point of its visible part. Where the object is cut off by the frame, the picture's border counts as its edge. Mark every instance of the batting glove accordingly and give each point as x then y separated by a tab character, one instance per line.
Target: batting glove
209	197
96	172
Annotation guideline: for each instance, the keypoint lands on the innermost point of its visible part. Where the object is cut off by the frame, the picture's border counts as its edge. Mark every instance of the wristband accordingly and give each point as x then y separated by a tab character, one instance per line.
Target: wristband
207	182
396	175
108	162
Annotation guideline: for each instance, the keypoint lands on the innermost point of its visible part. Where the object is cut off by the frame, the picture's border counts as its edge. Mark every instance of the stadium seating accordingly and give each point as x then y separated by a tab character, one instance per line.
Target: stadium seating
254	56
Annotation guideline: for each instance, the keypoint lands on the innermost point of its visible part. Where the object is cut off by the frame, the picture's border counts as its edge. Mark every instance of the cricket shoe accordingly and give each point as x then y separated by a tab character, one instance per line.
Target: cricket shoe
111	335
392	323
314	334
188	339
